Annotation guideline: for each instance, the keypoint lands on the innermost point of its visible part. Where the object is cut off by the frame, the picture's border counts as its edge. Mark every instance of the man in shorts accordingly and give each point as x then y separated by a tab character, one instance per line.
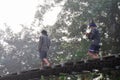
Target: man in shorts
94	37
43	47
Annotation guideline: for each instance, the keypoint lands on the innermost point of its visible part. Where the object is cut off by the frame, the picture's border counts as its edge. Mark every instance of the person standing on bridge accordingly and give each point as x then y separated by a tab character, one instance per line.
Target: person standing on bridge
43	47
94	37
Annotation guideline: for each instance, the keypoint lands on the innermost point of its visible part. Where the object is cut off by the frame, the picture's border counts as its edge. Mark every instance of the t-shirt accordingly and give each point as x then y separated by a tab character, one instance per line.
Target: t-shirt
44	43
94	37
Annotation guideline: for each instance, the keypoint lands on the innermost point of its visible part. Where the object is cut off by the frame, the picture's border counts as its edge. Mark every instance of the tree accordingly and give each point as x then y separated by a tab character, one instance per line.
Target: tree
75	17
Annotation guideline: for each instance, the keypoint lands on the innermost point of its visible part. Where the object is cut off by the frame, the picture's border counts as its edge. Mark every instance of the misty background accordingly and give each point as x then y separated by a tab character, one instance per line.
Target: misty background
65	20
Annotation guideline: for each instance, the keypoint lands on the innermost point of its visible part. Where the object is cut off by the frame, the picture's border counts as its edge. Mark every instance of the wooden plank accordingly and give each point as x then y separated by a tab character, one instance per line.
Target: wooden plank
109	62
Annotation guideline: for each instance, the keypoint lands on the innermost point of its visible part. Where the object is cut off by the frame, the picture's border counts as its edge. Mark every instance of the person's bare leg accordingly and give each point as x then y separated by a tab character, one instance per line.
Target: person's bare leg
93	55
46	61
90	54
96	56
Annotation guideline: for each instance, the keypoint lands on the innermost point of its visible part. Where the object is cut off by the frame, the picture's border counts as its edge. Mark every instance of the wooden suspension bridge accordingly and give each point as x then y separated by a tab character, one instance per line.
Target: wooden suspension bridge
109	62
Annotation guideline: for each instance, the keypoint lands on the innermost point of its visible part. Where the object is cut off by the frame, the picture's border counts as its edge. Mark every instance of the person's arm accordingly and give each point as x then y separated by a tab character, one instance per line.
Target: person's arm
92	34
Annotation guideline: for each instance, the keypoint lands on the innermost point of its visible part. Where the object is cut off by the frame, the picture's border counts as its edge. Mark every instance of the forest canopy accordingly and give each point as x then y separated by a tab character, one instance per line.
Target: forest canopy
19	51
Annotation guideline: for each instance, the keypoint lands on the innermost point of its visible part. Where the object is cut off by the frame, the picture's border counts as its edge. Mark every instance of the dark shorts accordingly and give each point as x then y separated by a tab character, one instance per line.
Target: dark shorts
43	54
94	48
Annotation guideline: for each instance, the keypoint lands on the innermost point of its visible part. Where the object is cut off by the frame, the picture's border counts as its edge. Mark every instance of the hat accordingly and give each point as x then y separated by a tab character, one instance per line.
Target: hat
92	24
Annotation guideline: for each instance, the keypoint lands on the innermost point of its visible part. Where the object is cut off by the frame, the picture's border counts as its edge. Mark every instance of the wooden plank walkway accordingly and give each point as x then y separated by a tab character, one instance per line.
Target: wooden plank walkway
109	62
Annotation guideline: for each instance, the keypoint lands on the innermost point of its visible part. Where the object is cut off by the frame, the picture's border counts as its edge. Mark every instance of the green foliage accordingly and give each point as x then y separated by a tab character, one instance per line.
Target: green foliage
76	16
72	23
82	50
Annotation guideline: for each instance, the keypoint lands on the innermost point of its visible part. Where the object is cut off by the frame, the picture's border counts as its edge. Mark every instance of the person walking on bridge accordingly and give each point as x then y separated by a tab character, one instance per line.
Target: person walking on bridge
43	47
94	37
